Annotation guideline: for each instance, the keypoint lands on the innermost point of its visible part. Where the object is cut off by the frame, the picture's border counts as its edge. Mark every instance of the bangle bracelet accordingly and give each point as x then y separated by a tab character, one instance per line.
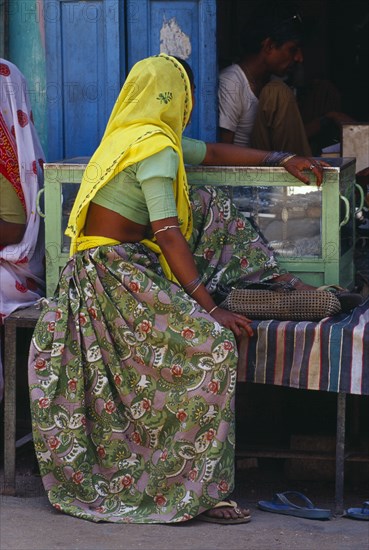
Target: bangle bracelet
212	309
194	282
196	288
283	162
276	158
165	228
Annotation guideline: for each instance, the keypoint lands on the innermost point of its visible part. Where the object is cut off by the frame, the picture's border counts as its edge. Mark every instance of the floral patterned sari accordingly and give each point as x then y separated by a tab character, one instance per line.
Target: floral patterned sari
132	383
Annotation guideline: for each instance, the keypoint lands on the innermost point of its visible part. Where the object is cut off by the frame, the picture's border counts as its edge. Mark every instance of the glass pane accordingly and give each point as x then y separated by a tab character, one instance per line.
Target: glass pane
290	218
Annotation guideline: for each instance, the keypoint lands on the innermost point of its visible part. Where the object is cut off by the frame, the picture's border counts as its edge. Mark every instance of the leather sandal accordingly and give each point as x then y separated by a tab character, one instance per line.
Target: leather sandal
225	521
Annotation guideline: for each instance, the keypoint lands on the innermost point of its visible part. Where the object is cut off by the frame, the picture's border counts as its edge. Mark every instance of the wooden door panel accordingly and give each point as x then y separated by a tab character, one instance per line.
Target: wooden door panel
84	72
187	29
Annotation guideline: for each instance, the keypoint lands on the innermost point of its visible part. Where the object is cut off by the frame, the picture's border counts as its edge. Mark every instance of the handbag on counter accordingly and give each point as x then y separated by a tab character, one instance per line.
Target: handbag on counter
274	301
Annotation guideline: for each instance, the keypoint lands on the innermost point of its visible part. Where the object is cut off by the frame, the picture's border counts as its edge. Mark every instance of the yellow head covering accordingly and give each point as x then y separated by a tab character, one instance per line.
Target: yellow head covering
151	112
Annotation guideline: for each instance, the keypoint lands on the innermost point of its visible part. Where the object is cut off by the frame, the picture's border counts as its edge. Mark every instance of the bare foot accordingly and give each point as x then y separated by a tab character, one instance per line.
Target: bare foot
227	513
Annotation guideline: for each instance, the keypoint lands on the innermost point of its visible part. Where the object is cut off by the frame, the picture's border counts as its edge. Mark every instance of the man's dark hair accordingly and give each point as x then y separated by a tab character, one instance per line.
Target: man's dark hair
278	20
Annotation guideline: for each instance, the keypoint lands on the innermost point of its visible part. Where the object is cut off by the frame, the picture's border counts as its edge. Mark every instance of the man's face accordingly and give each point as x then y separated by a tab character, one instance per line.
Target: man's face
282	59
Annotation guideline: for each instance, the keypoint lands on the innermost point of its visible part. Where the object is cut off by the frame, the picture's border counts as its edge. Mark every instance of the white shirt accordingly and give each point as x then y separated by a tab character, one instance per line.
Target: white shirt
237	104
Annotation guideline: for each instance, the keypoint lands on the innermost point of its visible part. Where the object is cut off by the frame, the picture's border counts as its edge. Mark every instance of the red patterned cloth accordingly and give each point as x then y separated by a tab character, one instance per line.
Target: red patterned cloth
21	160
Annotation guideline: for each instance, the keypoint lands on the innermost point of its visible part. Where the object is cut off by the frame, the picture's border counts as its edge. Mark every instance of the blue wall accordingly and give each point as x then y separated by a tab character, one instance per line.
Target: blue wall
141	24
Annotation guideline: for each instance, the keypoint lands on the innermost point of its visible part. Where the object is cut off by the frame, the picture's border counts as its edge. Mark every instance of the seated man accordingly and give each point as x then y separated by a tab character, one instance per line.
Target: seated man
21	159
255	108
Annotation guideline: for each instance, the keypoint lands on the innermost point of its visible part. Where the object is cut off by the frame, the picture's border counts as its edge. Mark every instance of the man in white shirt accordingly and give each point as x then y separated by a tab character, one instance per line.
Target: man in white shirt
253	109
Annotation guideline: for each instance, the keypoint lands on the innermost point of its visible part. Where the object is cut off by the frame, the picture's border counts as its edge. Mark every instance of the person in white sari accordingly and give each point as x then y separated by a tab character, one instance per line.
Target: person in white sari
21	233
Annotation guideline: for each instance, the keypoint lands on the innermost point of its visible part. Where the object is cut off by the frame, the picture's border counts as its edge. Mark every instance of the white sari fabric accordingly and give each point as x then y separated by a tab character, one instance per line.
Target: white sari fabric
21	265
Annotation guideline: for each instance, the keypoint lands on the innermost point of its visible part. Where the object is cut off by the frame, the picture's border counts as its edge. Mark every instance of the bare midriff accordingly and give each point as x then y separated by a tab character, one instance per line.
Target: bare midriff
102	222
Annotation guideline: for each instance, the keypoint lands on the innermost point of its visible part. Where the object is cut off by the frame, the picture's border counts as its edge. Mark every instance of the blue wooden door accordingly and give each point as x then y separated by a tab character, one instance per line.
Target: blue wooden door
187	29
85	70
91	45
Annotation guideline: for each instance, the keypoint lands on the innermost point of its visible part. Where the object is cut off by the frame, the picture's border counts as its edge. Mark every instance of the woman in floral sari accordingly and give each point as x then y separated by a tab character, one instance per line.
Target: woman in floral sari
132	367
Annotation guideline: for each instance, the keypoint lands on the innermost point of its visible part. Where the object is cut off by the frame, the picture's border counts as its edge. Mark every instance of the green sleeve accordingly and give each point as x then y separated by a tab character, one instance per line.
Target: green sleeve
161	165
159	198
194	150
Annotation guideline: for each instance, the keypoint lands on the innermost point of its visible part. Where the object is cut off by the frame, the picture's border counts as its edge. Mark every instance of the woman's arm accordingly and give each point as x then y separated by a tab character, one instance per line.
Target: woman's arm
232	155
218	154
179	257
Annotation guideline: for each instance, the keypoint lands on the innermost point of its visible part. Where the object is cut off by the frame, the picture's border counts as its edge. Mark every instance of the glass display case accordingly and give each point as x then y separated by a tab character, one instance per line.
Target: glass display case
310	228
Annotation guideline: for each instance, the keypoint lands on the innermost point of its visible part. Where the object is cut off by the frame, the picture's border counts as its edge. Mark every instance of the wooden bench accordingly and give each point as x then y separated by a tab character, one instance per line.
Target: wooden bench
21	318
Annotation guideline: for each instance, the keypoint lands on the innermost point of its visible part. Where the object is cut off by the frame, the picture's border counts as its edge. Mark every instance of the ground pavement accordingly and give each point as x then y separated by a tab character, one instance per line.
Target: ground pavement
29	522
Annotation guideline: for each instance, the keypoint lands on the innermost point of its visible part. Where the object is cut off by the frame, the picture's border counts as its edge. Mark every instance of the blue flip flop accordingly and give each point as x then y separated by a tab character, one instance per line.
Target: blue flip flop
359	513
282	505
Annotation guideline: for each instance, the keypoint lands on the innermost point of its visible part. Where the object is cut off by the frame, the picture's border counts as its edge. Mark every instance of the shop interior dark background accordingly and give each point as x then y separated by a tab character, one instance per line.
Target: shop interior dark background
338	48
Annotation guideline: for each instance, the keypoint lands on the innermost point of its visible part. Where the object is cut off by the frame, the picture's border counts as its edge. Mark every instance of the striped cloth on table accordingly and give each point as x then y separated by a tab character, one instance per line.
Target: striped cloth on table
329	355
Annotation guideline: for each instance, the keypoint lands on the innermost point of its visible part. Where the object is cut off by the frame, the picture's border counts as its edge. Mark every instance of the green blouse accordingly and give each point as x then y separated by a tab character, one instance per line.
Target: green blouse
11	209
144	192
